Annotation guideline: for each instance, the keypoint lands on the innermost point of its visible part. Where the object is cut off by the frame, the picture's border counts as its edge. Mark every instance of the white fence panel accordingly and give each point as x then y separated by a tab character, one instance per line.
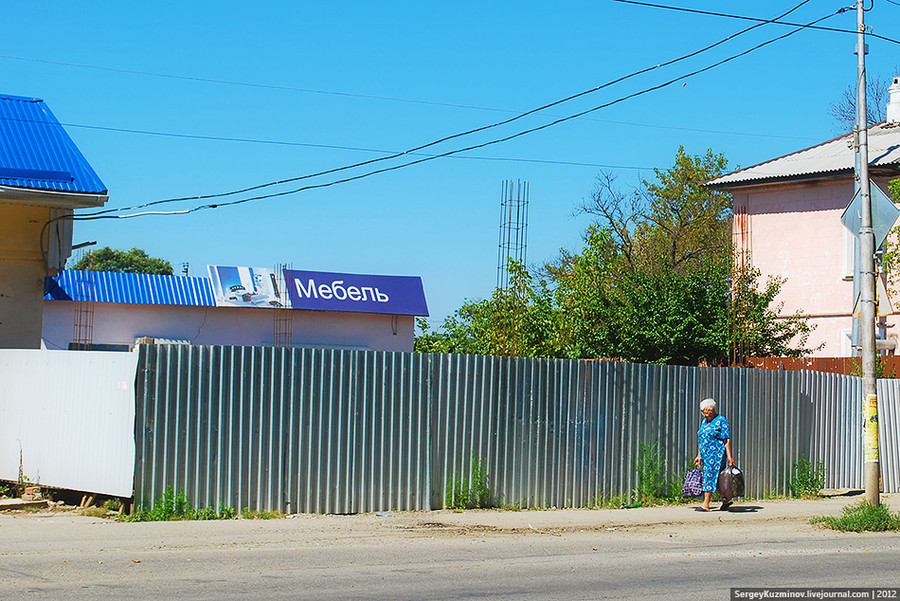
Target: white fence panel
69	416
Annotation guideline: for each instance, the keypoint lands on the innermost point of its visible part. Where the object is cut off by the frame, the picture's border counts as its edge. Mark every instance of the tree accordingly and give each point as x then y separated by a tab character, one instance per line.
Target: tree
843	111
474	328
135	260
655	282
890	260
665	315
675	222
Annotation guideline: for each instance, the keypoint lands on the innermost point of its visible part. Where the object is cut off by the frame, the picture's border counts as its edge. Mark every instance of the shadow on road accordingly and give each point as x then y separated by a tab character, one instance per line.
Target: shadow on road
743	509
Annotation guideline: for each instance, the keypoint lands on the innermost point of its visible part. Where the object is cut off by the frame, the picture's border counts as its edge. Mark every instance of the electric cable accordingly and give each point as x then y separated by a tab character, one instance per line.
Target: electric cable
105	215
745	18
211	138
453	136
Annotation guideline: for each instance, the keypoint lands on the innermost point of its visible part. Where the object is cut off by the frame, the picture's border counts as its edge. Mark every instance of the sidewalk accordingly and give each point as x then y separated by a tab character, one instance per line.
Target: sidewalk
798	511
751	511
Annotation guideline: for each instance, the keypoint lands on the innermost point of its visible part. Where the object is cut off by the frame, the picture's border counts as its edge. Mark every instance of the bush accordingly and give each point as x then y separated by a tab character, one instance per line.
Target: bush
806	482
861	517
463	494
652	481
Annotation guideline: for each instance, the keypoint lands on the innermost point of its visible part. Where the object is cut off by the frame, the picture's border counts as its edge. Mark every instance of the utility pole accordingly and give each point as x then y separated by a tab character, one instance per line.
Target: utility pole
867	272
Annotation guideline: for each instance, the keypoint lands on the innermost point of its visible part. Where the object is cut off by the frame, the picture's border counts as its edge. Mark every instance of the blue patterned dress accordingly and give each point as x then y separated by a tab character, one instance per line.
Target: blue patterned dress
711	437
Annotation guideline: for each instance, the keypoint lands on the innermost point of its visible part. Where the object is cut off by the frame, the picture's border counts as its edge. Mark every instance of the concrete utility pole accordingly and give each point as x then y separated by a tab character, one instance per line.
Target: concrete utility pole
867	272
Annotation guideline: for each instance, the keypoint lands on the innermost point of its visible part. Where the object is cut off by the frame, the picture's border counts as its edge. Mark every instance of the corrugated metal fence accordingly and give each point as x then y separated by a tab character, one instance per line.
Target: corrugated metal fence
303	430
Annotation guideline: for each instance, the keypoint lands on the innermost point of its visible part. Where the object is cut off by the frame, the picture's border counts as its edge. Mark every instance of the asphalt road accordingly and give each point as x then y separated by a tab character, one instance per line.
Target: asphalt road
431	555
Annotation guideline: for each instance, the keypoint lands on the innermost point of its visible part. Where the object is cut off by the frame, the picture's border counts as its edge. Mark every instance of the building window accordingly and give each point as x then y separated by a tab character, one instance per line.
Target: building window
851	249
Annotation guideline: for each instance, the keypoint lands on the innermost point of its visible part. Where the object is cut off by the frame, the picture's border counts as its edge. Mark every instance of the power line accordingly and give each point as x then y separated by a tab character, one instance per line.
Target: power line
105	215
211	138
326	146
330	92
775	21
233	82
465	133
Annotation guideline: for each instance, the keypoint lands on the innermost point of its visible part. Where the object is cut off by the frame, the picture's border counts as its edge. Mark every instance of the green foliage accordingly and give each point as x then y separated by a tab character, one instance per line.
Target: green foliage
655	283
4	490
113	504
22	482
463	493
806	480
651	467
518	321
861	517
881	368
890	260
132	261
171	507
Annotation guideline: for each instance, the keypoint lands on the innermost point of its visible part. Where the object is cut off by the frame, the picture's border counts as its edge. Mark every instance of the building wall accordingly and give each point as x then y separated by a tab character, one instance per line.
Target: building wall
794	231
122	323
21	275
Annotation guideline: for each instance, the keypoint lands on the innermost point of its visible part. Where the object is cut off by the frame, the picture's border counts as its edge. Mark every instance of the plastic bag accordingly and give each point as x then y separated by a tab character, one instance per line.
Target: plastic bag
730	483
693	483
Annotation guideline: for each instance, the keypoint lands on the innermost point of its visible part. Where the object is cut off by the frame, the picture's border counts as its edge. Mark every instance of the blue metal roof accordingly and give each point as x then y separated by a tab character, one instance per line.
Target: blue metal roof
37	153
134	288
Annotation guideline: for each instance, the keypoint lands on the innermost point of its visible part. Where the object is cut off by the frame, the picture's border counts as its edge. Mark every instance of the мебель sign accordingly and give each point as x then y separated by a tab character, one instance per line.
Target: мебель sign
327	291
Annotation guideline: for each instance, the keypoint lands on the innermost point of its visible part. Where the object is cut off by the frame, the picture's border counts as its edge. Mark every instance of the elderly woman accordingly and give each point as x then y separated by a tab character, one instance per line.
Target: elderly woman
714	438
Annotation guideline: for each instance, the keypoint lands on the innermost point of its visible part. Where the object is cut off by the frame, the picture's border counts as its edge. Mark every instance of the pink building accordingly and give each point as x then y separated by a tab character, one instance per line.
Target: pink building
787	223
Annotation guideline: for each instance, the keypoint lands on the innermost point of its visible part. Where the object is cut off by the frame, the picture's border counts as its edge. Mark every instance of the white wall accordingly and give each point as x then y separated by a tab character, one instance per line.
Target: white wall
71	414
117	323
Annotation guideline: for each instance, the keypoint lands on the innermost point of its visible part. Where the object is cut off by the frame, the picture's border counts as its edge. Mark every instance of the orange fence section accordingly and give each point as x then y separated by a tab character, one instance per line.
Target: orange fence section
889	365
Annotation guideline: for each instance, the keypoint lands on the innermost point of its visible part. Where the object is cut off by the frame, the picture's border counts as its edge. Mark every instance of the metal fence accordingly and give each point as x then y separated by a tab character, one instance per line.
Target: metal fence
304	430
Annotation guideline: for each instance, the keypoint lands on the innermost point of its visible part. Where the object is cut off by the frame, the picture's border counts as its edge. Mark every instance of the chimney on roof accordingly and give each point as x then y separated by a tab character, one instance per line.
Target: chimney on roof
893	107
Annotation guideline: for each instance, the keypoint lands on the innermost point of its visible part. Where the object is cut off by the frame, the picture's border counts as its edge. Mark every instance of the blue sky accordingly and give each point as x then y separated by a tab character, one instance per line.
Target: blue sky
329	78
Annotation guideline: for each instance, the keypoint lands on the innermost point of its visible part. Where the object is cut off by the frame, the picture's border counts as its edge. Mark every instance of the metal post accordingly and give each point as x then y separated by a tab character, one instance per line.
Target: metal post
867	272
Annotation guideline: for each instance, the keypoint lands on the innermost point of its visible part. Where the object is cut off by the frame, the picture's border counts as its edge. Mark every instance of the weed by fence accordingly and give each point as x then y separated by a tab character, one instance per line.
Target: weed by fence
806	480
171	506
463	493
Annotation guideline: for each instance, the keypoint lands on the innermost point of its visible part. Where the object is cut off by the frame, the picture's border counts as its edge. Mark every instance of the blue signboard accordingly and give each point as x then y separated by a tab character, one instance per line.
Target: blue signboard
326	291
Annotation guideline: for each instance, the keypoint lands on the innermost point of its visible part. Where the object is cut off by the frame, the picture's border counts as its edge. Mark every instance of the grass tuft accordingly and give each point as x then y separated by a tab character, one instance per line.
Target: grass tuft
861	517
172	507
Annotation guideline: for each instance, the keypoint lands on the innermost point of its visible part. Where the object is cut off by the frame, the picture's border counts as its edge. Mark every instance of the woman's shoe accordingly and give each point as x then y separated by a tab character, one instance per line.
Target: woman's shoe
725	505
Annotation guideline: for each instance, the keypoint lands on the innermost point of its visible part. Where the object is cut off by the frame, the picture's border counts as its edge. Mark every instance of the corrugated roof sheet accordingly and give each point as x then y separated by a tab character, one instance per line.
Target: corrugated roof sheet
828	158
134	288
37	153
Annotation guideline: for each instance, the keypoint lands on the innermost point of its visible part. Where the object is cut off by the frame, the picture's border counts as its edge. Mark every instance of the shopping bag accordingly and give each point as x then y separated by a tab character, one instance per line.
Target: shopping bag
693	483
730	483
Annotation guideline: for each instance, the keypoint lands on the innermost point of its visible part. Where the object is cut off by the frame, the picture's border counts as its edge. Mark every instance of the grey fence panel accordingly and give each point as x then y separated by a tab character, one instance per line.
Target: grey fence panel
297	430
889	434
305	430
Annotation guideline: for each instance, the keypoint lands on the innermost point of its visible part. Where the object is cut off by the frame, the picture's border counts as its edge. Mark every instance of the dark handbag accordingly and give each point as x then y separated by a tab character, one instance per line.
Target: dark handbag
730	483
693	483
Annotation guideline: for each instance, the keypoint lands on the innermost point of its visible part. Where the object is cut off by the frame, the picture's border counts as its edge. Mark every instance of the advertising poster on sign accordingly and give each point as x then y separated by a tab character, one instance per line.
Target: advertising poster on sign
245	287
